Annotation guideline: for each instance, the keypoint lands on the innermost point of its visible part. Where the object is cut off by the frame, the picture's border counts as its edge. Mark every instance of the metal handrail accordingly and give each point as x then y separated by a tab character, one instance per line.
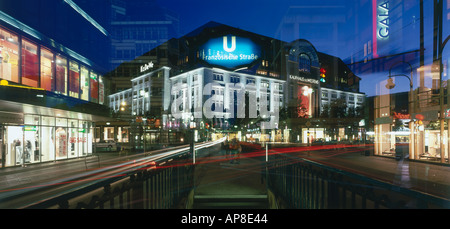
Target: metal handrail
297	182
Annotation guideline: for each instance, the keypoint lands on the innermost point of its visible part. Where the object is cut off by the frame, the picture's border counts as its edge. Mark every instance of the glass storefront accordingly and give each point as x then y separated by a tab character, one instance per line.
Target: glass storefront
42	68
43	138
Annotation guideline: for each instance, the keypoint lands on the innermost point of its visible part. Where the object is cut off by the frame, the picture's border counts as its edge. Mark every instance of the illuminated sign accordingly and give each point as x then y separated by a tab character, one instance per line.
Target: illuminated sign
401	116
29	128
146	67
383	20
303	79
229	51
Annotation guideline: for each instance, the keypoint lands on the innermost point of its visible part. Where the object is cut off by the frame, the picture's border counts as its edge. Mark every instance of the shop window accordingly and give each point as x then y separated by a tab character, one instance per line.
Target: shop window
334	95
61	75
61	143
108	133
9	56
14	146
31	143
47	146
84	84
47	66
73	138
74	80
94	87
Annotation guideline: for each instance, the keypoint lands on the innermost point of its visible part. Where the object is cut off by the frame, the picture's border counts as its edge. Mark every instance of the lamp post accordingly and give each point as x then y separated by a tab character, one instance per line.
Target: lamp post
390	85
192	126
441	97
438	49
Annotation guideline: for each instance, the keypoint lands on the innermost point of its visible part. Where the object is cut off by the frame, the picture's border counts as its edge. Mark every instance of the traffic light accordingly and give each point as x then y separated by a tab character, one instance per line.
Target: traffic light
323	75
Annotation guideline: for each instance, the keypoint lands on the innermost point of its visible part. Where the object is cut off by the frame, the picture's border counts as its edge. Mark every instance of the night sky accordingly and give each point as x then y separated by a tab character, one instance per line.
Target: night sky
266	17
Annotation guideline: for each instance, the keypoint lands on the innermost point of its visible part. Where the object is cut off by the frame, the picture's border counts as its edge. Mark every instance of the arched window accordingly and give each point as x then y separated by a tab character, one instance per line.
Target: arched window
304	63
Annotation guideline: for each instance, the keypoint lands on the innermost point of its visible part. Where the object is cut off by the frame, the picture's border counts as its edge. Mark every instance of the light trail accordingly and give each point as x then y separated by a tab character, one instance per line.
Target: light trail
149	161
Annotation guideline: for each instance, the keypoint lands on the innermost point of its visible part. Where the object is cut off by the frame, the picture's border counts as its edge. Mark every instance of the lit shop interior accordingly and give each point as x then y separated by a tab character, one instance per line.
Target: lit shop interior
50	98
416	136
45	138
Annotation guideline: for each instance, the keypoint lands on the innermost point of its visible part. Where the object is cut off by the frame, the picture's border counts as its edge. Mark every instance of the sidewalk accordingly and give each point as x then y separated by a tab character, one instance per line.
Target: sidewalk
19	177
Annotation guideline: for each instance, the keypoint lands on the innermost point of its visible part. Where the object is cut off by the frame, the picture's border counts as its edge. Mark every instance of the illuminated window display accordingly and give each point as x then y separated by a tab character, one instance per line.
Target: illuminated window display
84	84
304	99
44	138
47	66
40	68
9	56
47	139
94	87
31	138
61	138
73	138
30	64
74	81
61	75
14	146
84	138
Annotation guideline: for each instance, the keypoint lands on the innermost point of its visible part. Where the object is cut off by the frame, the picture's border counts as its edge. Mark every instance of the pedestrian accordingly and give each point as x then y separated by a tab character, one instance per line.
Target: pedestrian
224	148
235	148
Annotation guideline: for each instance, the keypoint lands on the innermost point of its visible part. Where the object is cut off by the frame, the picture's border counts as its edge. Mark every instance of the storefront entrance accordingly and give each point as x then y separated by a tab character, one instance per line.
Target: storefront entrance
43	139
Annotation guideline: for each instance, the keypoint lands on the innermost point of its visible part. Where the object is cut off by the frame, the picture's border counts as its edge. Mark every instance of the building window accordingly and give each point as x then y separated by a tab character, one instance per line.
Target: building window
84	84
47	66
251	81
304	63
9	56
61	75
74	80
30	64
94	87
333	95
360	99
235	79
218	77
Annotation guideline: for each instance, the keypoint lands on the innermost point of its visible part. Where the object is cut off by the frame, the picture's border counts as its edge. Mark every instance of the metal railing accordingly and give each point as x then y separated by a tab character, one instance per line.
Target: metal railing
148	185
302	184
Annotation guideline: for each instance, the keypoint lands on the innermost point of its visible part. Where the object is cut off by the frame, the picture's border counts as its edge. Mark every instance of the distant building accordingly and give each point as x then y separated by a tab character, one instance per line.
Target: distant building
283	77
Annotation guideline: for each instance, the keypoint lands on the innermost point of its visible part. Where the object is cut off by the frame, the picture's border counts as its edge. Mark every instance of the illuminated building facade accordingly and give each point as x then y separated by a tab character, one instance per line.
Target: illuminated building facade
50	95
204	73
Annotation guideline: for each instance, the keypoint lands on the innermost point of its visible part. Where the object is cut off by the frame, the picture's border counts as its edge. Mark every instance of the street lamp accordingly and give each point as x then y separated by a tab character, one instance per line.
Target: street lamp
390	85
192	126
